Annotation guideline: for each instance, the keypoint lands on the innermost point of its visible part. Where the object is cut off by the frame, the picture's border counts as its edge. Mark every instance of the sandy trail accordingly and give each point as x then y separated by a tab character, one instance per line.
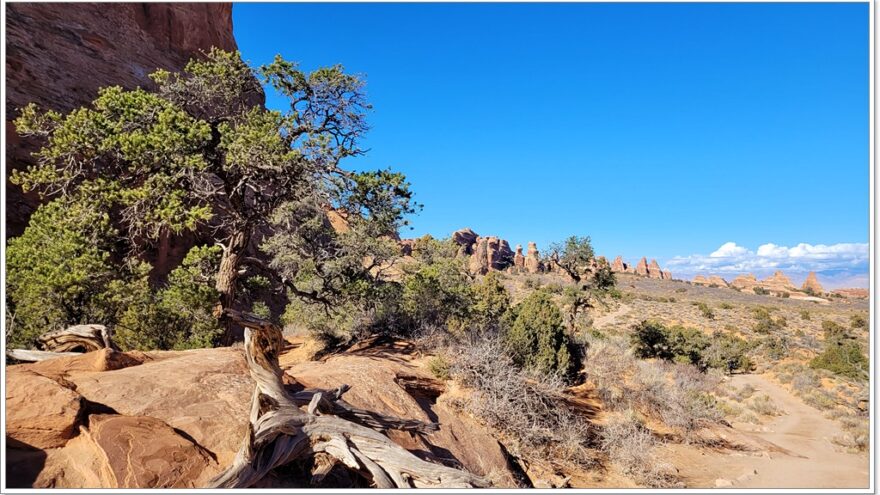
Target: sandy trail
802	430
611	318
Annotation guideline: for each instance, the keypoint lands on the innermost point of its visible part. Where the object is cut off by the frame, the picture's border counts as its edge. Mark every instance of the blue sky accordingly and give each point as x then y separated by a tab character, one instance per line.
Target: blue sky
660	130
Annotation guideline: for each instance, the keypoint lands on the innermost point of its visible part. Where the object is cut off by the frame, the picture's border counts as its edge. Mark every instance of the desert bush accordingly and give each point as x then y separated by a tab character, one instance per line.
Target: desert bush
858	322
632	448
491	302
805	381
439	367
844	358
765	323
725	305
744	393
727	352
761	291
805	315
681	290
537	338
856	435
763	404
820	399
775	346
526	405
705	310
834	331
439	293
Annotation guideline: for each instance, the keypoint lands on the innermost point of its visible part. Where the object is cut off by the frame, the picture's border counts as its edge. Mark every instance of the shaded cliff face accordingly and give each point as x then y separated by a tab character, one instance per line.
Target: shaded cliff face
58	55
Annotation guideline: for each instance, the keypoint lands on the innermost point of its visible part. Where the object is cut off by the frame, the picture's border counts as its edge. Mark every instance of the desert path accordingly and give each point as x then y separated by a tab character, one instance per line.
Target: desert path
611	318
802	430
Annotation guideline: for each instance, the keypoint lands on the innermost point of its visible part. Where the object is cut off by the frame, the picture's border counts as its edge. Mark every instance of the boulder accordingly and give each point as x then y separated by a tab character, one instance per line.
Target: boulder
716	280
811	284
666	275
127	452
533	261
618	266
502	257
177	418
700	280
40	412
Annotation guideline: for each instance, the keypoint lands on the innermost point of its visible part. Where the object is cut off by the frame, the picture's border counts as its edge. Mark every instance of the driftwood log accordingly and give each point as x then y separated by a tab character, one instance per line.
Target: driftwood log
68	342
280	432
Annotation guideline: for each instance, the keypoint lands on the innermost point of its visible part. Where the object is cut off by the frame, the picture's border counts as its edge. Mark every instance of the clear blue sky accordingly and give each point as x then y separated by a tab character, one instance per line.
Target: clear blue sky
657	129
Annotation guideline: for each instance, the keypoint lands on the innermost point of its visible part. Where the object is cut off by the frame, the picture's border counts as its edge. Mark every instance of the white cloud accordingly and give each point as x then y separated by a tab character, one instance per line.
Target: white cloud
842	261
729	250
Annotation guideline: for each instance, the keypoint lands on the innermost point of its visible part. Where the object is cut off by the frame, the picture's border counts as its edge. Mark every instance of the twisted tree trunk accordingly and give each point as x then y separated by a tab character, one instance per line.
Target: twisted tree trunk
68	342
279	432
227	276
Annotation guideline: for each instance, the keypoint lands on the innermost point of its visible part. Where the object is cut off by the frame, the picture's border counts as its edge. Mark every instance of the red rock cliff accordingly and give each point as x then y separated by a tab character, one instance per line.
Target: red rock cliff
58	55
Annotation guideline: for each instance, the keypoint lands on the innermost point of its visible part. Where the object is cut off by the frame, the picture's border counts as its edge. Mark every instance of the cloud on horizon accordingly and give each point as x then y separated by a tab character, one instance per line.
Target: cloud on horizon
836	265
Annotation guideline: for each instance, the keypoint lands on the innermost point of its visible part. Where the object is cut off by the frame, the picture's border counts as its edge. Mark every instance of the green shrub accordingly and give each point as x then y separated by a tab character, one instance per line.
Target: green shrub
843	358
439	368
765	323
58	270
491	301
728	353
761	291
725	305
858	322
176	316
705	310
438	294
834	331
537	339
805	315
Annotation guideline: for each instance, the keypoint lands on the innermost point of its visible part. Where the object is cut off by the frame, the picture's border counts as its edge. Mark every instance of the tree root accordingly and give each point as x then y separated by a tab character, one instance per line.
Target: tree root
280	432
68	342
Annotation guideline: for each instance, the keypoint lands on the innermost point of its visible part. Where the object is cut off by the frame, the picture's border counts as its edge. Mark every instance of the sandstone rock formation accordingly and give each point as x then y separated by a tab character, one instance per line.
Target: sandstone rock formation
642	267
712	280
811	284
857	293
654	270
486	253
519	261
618	266
744	282
58	55
177	418
533	260
778	281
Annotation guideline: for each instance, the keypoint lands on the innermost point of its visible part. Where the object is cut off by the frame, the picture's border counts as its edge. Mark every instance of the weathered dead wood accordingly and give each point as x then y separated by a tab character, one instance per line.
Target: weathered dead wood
78	338
68	342
280	432
29	356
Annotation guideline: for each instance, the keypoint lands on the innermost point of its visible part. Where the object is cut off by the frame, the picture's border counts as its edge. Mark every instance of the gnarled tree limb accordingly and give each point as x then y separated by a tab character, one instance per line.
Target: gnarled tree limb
279	432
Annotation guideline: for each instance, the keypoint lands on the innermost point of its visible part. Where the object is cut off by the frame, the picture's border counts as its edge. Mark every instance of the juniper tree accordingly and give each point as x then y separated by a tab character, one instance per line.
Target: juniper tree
201	153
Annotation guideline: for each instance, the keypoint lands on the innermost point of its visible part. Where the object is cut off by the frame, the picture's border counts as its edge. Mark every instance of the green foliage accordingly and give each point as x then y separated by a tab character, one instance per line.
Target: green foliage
491	302
705	310
58	270
765	323
575	257
843	358
176	316
834	331
761	291
858	322
805	315
439	368
776	346
729	353
725	305
651	339
439	294
537	339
